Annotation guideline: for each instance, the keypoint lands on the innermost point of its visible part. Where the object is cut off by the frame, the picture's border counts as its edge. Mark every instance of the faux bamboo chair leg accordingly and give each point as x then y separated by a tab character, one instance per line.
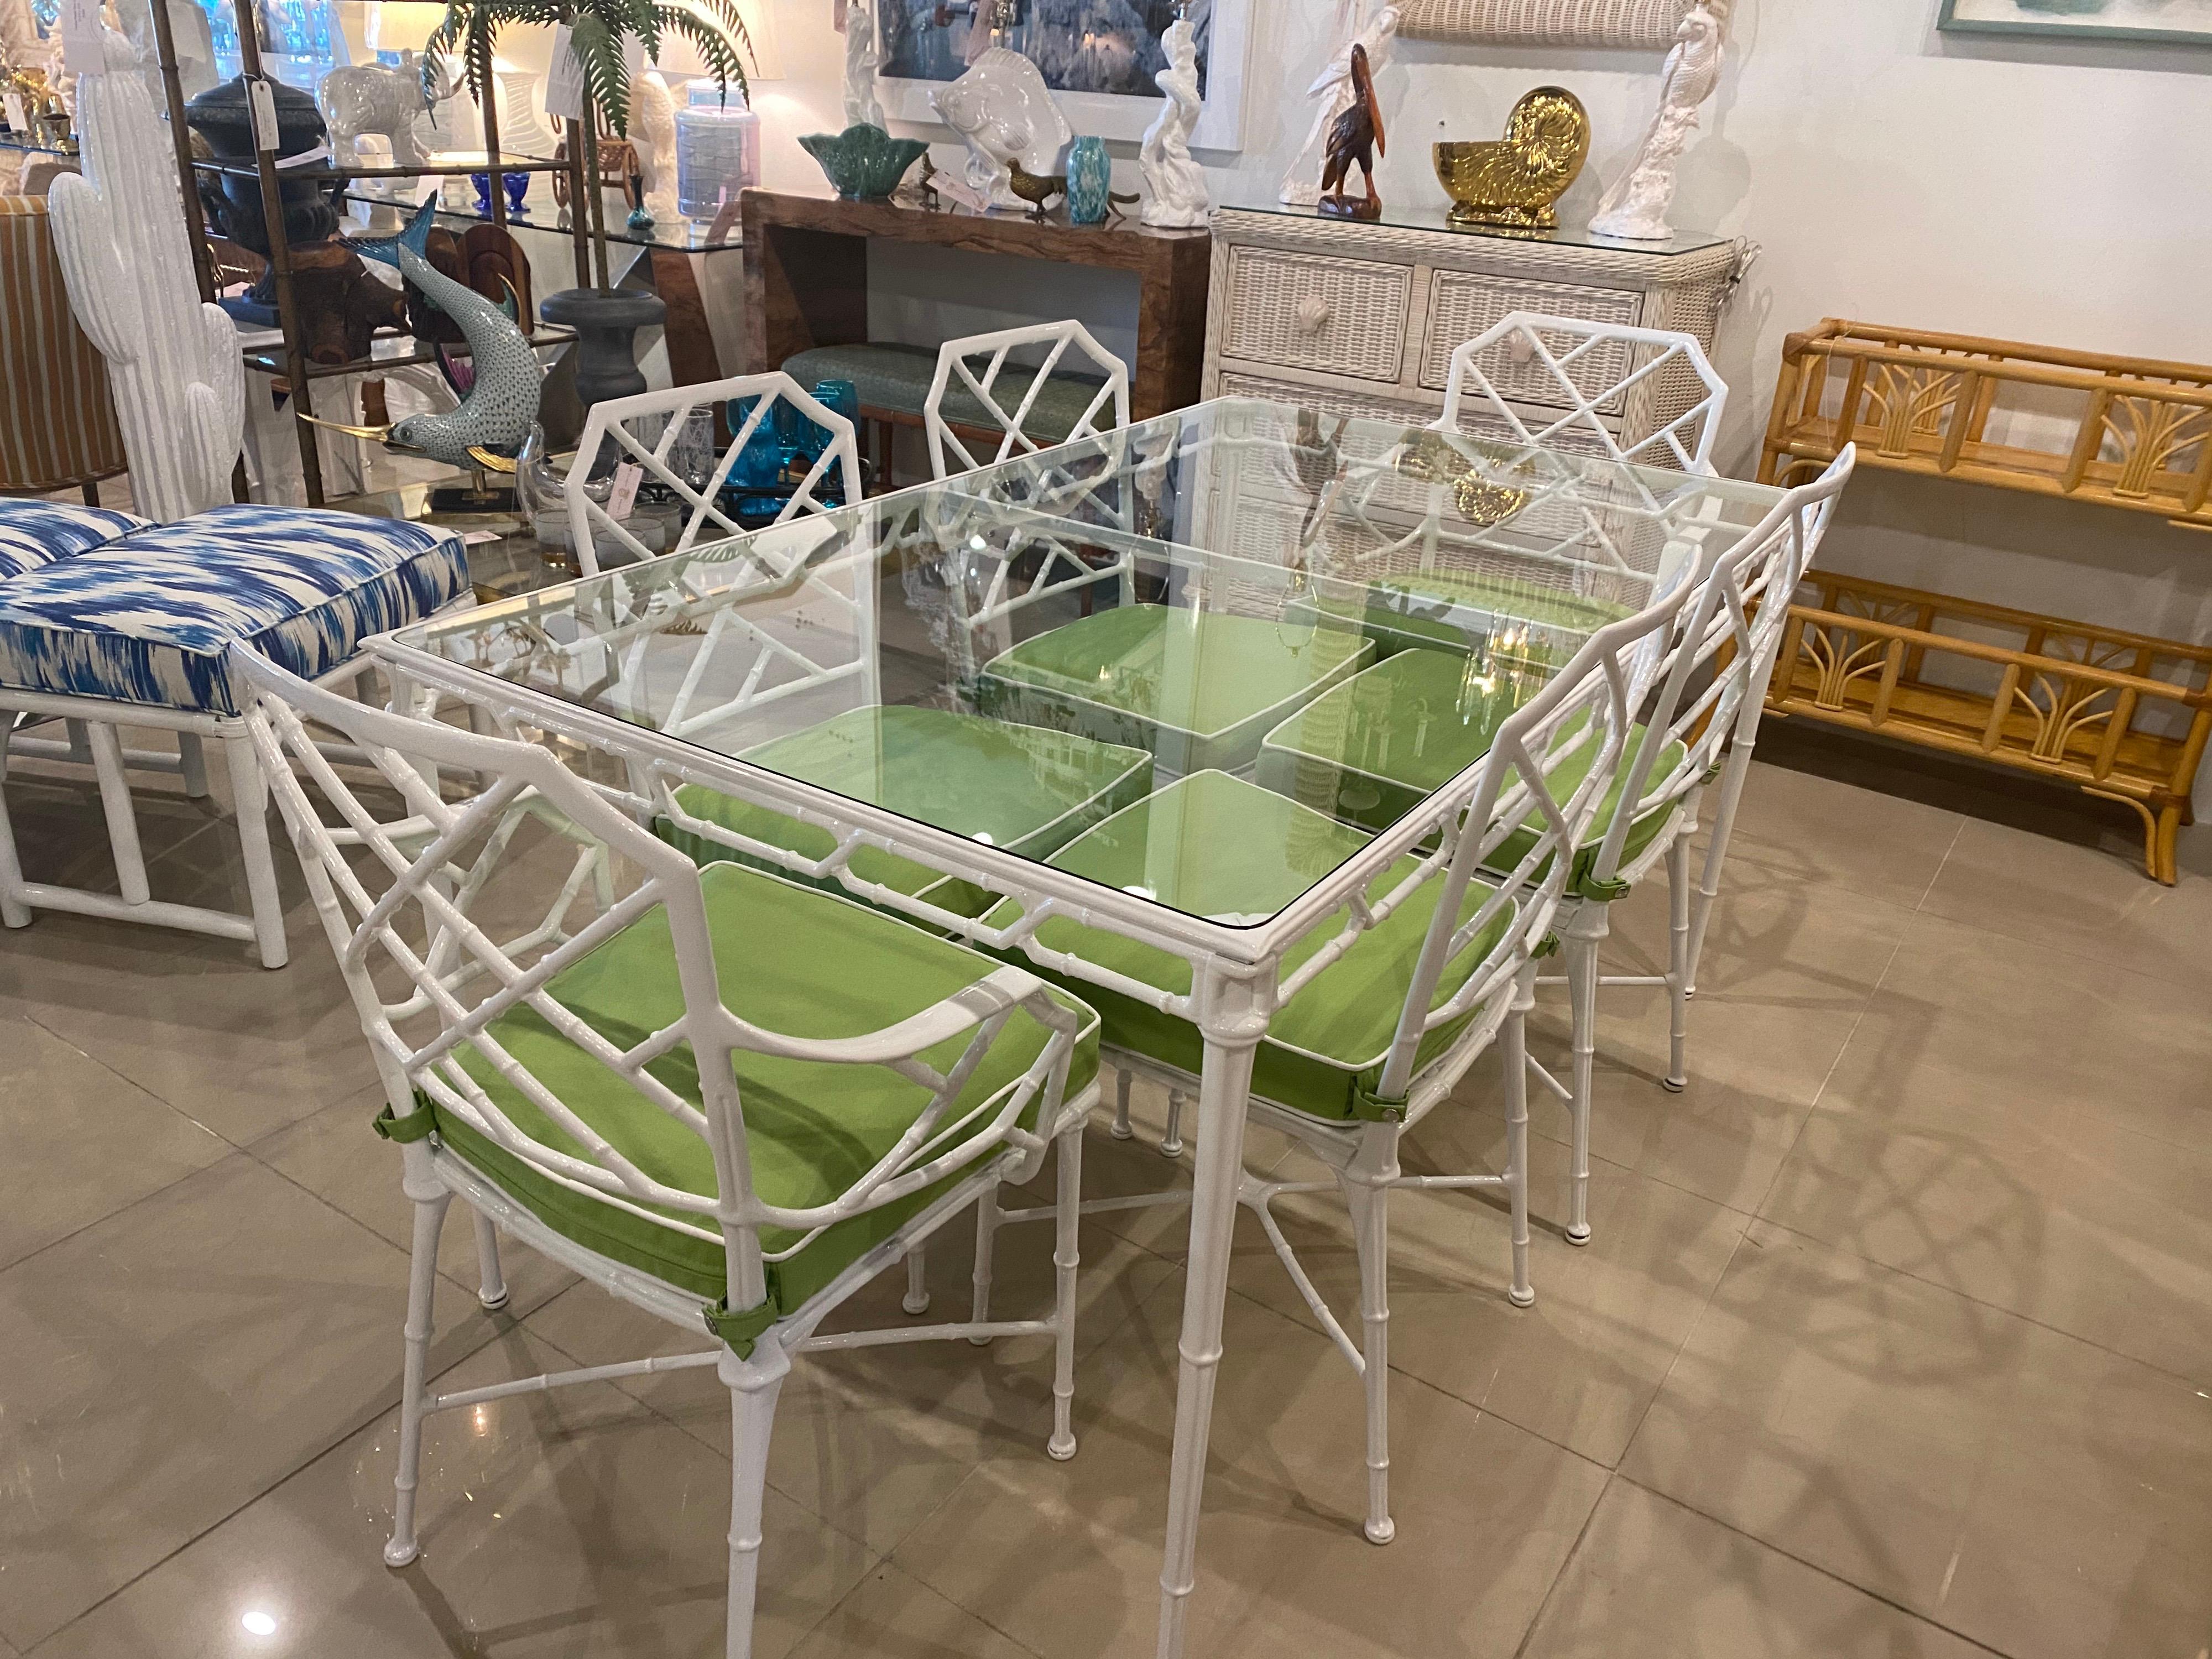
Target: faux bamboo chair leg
916	1299
1513	1048
987	1236
754	1385
1368	1195
430	1202
1120	1129
491	1283
1171	1142
1678	961
1066	1257
1580	947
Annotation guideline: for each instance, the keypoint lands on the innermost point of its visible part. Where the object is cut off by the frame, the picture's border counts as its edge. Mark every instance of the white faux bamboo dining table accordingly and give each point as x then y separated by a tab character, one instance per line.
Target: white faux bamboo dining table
919	699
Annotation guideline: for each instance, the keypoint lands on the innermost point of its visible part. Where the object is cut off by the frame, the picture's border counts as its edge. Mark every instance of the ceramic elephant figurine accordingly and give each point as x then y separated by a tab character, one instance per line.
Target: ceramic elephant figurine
361	98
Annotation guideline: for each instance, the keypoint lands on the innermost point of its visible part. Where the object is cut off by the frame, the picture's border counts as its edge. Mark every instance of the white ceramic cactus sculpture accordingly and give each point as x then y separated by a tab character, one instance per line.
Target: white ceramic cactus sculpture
173	362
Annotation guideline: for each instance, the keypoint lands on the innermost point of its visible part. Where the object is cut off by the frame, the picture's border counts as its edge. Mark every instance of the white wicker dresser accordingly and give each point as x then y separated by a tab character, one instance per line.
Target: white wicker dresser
1363	318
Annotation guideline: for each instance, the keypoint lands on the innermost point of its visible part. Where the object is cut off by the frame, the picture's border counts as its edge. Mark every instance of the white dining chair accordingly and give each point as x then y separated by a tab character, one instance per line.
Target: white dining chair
1023	407
645	430
1381	1011
640	1098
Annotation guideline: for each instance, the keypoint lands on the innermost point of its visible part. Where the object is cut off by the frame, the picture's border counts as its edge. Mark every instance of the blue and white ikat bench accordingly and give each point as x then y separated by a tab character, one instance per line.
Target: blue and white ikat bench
107	622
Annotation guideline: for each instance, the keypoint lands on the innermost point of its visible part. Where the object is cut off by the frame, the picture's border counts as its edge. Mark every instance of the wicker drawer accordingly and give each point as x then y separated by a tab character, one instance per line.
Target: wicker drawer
1345	316
1462	306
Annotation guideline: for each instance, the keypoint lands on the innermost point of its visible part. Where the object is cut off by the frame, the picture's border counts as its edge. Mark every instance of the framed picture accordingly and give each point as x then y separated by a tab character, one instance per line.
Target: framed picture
1098	55
2178	22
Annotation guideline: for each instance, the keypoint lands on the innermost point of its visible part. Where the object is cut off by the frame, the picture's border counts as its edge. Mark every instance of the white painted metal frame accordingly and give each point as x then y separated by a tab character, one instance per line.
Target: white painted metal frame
613	420
454	983
1683	444
1586	707
1235	970
954	361
1713	693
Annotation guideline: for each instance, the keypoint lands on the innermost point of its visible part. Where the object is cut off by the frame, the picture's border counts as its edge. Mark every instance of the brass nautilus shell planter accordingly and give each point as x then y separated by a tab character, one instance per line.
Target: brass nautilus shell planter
1516	181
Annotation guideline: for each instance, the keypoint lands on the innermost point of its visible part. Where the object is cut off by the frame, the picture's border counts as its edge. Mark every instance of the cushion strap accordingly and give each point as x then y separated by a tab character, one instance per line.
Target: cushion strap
741	1329
1369	1106
419	1124
1605	891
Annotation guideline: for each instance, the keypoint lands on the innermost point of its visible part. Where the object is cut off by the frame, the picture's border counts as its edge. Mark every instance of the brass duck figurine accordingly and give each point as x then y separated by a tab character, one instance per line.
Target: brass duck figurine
1355	136
1518	181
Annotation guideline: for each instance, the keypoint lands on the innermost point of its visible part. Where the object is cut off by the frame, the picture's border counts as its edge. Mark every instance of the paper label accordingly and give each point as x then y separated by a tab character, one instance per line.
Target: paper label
564	79
262	99
81	50
14	107
627	476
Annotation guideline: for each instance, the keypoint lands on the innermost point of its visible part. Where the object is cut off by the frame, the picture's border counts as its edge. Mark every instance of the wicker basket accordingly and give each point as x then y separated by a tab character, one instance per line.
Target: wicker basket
1644	24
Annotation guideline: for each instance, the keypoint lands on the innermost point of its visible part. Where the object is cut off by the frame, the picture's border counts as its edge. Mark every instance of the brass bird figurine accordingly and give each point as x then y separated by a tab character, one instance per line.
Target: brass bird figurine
1355	136
1036	188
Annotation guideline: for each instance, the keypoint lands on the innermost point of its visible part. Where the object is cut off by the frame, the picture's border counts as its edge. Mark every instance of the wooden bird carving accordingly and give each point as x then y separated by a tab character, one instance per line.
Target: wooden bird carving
1355	136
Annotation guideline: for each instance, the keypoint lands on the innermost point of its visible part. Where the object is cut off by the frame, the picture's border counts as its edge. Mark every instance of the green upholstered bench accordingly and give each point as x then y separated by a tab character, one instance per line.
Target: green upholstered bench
894	382
1196	688
1372	749
1215	845
1025	789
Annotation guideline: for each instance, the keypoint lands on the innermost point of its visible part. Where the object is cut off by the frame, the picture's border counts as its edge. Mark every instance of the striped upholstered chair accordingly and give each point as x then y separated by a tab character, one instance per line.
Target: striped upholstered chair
58	427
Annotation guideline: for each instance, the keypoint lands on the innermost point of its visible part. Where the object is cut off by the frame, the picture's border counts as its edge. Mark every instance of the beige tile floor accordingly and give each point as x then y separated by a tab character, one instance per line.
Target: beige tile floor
1895	1337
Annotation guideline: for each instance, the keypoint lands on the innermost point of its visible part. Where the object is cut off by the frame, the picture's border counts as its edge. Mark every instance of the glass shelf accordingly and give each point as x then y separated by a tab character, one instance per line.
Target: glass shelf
687	236
1428	216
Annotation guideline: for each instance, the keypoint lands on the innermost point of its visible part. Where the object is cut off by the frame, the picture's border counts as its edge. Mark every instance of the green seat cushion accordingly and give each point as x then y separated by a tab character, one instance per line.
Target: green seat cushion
791	960
1372	749
1199	689
1214	845
1460	610
1015	787
898	378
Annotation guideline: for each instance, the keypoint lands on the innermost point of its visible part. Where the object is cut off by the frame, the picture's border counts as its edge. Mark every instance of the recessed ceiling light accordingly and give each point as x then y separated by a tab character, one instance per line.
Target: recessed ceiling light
259	1623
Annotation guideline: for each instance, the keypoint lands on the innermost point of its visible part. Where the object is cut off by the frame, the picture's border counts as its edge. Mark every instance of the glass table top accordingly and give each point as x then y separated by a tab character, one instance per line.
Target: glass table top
1245	635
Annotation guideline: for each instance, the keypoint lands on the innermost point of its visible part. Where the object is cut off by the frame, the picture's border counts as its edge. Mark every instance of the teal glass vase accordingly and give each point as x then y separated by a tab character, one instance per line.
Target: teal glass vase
1090	177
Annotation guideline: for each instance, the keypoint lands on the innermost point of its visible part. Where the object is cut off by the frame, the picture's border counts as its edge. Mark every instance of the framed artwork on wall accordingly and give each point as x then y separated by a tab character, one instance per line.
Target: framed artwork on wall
1099	56
2179	22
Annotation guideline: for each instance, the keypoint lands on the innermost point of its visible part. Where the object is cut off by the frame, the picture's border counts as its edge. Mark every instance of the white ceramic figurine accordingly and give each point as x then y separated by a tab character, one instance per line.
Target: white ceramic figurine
1177	184
1636	207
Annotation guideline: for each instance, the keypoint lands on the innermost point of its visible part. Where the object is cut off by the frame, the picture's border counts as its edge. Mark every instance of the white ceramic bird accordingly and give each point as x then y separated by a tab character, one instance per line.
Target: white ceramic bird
1636	207
179	381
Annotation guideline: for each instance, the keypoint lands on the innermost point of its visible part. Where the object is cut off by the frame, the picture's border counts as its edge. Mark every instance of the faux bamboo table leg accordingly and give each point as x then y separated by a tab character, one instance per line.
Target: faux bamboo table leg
1233	1016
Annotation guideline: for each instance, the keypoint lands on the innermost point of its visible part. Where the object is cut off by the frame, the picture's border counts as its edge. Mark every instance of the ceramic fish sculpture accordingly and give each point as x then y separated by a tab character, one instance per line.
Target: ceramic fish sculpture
414	237
497	415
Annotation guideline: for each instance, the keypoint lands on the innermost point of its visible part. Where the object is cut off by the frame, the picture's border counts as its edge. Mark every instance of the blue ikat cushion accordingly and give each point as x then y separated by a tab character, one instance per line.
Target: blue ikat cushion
35	532
148	619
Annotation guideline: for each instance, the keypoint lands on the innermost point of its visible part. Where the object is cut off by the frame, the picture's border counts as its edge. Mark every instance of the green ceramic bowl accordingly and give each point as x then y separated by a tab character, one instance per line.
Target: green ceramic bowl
864	162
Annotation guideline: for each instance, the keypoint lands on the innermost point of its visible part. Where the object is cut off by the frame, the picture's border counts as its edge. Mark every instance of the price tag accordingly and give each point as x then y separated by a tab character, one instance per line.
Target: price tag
13	107
564	79
261	98
82	52
625	491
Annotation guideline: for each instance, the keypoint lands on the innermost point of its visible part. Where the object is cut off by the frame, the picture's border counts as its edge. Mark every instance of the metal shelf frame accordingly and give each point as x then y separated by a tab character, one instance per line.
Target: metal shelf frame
298	372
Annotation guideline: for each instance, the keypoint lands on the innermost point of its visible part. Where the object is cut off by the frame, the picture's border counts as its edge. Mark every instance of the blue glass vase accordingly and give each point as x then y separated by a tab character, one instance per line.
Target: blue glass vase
1089	179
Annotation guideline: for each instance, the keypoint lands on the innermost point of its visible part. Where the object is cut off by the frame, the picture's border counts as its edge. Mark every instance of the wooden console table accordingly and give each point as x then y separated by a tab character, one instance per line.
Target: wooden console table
806	277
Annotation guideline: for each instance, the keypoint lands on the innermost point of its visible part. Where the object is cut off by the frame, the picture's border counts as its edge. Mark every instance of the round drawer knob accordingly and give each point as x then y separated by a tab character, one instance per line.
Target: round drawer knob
1520	348
1312	315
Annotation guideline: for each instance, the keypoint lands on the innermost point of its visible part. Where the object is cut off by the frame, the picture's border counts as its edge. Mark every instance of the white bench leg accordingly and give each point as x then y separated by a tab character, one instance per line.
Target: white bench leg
192	761
14	912
249	792
107	745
